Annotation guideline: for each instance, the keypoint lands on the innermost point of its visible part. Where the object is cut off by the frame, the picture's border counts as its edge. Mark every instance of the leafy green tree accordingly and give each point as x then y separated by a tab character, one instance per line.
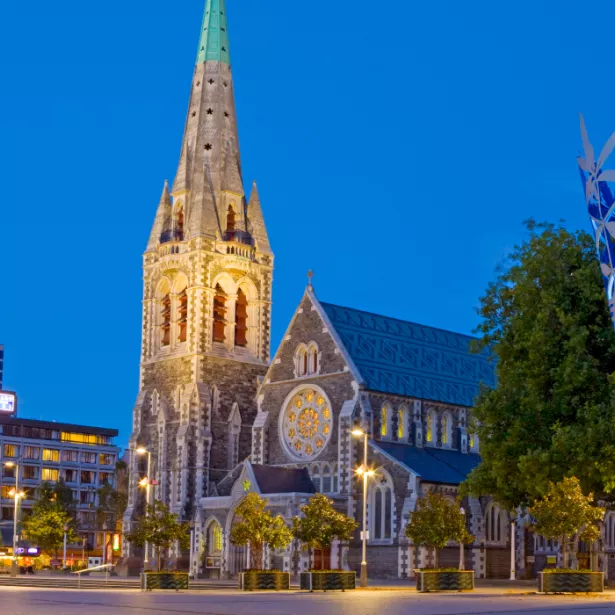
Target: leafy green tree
545	318
46	525
564	512
161	529
256	527
435	522
321	524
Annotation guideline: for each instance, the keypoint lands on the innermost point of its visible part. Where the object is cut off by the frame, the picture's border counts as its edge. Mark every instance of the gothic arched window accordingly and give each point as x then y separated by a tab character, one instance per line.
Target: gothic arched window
182	315
385	419
402	423
432	427
380	508
241	319
230	220
301	360
447	430
495	524
312	359
219	315
165	319
179	222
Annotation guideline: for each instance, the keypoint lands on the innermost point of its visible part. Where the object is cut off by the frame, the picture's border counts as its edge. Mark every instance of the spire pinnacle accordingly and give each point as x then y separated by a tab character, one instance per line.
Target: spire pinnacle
214	43
310	275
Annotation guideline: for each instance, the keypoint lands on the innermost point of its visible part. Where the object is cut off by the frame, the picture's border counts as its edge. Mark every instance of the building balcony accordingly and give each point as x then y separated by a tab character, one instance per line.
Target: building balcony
171	235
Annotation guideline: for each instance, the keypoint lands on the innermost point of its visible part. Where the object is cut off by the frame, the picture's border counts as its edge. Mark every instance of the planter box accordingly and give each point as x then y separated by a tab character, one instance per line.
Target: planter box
326	581
570	582
432	581
164	580
265	580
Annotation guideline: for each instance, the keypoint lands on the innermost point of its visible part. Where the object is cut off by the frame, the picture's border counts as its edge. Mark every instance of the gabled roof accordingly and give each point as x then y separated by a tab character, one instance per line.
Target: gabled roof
403	358
271	479
433	465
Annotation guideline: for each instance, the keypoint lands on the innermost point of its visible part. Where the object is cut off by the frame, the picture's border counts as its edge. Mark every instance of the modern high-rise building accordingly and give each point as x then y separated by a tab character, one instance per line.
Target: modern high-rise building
207	273
1	365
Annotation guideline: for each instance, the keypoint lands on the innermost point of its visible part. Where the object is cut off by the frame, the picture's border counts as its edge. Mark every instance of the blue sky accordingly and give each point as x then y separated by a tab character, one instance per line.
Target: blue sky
398	147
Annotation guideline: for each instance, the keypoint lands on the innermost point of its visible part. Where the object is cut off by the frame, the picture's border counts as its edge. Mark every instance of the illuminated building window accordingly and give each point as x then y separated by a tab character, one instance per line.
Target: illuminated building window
182	313
385	419
10	450
447	430
106	459
219	315
402	420
51	455
241	319
50	475
432	427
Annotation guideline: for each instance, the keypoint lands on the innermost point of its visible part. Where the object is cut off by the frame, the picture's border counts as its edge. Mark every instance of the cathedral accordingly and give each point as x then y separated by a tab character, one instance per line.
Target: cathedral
216	414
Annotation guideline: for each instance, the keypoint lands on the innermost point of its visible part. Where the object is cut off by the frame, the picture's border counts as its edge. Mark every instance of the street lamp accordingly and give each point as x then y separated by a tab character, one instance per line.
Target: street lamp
366	474
146	482
15	493
513	572
462	563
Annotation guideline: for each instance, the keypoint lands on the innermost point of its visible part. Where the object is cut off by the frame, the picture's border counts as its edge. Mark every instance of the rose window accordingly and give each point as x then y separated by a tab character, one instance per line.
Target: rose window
307	424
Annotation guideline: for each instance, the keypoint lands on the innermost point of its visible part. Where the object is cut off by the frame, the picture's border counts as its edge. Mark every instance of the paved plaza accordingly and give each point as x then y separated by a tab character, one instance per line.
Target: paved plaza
72	602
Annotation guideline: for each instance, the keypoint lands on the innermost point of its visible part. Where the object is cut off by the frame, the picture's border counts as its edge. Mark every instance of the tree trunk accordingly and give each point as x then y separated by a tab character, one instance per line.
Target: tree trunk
256	556
436	558
159	559
564	552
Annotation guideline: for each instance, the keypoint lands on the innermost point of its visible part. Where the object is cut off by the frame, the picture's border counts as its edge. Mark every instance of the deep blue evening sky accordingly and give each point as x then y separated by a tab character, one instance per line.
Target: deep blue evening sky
398	147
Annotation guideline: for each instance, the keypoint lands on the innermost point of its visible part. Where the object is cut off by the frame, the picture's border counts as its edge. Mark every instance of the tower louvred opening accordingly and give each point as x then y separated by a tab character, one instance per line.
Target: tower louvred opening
220	299
241	319
183	316
165	317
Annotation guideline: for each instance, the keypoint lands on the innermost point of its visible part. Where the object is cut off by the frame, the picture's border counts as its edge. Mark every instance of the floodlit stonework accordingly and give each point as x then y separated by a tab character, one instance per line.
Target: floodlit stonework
207	274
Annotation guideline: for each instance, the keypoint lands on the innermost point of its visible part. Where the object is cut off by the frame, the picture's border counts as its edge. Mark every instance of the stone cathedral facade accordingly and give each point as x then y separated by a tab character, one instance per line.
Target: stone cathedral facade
217	415
207	274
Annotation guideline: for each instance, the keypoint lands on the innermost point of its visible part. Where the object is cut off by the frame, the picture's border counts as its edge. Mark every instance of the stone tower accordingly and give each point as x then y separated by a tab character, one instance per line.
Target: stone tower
206	301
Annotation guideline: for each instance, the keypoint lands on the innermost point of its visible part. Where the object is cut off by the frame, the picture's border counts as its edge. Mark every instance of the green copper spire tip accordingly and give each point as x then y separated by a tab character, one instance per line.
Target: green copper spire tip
214	44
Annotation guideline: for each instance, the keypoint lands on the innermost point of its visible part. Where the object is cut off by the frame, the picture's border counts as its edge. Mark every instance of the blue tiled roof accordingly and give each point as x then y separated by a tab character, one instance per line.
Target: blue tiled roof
403	358
433	465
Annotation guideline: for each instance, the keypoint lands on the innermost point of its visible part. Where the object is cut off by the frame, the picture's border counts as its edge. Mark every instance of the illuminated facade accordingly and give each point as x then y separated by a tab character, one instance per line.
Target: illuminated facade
83	457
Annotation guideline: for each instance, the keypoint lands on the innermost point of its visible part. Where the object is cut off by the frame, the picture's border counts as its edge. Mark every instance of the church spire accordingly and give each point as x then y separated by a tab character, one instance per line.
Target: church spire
163	217
214	44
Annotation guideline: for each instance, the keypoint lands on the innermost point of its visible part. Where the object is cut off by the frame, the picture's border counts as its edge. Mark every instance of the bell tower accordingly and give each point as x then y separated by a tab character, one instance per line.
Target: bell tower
207	274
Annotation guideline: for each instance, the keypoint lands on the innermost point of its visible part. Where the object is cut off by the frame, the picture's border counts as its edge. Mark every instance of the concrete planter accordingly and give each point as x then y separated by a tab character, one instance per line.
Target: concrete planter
434	581
570	582
164	580
264	580
328	581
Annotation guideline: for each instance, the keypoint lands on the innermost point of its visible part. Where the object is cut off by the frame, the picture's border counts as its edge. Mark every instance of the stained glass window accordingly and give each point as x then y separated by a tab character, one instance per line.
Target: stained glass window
307	424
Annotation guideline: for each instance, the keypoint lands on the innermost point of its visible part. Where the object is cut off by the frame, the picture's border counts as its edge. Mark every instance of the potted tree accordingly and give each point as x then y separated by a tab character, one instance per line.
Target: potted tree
319	525
434	523
562	514
257	527
161	529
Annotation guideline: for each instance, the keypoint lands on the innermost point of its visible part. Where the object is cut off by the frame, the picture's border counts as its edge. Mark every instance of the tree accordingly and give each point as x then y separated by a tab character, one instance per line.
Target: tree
321	524
257	527
564	512
435	522
46	525
546	321
161	529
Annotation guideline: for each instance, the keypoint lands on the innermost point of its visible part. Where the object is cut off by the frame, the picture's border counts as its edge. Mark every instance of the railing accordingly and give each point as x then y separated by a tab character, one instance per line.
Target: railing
239	237
106	567
171	235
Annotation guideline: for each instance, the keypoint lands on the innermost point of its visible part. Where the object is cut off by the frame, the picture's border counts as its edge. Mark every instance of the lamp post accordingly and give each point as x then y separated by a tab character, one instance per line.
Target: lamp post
462	563
366	474
16	494
146	482
513	572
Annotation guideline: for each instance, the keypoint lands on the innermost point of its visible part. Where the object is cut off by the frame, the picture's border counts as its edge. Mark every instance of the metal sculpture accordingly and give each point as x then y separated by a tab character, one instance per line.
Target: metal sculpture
600	199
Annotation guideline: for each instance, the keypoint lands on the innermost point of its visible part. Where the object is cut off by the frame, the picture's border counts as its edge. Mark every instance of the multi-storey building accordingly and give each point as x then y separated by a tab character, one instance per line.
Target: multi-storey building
42	451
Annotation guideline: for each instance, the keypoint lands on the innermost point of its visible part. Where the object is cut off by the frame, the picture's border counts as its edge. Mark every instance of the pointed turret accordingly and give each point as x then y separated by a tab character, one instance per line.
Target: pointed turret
257	222
214	44
163	218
